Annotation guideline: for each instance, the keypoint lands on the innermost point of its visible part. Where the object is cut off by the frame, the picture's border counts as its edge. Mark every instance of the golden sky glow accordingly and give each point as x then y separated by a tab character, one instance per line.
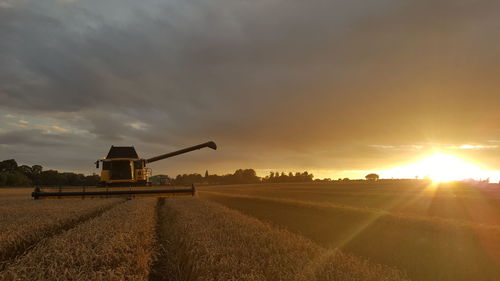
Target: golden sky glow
438	166
441	167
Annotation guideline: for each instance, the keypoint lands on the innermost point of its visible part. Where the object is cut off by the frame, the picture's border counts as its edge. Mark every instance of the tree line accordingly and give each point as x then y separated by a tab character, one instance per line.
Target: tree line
240	176
276	177
11	174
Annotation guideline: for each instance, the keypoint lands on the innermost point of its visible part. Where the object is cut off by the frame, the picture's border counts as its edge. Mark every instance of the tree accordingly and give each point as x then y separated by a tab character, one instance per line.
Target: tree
9	166
245	176
372	177
26	170
36	169
15	178
51	177
13	175
271	177
92	180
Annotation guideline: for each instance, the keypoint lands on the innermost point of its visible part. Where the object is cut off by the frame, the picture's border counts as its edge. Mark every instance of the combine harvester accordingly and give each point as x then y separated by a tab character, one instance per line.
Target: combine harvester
123	174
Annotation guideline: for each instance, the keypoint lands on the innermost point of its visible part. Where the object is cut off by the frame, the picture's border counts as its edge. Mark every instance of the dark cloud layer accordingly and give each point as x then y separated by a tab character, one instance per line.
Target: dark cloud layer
279	84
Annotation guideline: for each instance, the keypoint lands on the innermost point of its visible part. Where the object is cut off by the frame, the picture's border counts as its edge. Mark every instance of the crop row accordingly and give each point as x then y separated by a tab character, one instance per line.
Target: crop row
205	241
117	245
30	221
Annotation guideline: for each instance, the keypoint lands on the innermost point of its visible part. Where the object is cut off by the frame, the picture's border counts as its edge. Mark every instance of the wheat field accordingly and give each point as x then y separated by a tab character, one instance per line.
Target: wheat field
27	222
117	245
256	232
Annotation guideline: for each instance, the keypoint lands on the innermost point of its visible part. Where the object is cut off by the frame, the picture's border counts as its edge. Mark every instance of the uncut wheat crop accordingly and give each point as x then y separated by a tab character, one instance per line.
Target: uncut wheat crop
26	222
118	245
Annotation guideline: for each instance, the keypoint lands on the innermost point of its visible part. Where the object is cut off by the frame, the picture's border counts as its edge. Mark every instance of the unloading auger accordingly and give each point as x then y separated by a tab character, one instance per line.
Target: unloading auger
123	174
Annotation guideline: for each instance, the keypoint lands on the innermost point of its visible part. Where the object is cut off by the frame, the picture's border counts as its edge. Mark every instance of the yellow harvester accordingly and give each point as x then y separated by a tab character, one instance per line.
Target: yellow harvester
123	174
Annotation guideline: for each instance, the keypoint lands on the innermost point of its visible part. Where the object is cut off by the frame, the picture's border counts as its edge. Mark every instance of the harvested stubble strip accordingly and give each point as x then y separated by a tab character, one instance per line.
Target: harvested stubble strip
206	241
114	246
26	223
425	221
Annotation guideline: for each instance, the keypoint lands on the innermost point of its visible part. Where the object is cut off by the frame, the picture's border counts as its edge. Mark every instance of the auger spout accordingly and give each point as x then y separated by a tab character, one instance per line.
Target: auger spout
209	144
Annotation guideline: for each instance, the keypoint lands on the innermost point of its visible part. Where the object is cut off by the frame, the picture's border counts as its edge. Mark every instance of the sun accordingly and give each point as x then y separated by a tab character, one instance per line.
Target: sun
439	167
443	167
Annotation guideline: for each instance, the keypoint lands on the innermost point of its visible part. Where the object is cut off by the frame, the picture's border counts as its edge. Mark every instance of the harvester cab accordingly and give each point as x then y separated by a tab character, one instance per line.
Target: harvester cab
126	174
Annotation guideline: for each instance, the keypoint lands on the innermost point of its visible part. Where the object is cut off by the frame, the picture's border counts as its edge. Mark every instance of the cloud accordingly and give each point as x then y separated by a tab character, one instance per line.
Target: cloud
53	129
471	146
138	125
5	5
274	82
33	137
22	122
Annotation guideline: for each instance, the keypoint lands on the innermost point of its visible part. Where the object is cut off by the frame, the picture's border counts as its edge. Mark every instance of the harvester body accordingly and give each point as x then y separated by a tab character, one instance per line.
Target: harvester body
123	167
123	174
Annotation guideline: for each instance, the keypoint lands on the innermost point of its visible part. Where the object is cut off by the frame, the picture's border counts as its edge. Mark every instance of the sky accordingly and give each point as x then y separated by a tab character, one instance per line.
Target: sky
335	87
